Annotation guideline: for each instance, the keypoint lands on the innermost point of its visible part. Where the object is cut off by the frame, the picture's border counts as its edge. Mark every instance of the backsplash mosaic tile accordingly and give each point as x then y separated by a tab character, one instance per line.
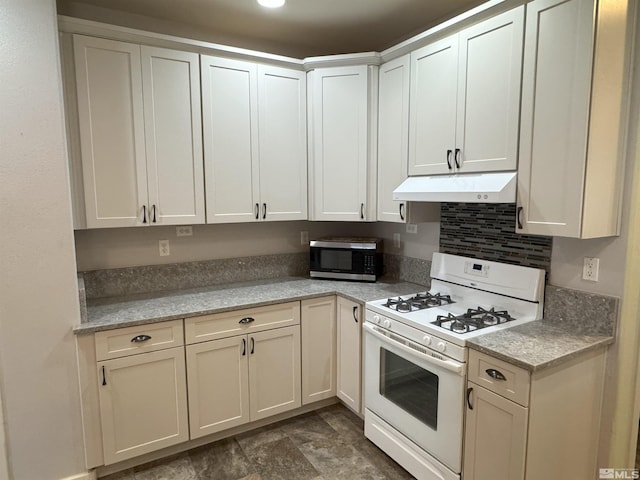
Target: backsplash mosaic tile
487	231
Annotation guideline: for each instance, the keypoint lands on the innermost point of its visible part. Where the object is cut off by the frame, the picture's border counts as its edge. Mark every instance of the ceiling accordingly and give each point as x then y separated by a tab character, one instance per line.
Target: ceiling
302	28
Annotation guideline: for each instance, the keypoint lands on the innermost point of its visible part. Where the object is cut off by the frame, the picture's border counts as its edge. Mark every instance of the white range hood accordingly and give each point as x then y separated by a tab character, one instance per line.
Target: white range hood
462	187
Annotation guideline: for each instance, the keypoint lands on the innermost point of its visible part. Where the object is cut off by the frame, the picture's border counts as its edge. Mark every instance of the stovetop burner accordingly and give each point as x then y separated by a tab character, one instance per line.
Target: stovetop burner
473	319
419	301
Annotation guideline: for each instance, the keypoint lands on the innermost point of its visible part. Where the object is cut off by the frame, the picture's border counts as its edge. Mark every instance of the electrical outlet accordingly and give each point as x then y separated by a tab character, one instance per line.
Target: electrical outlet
396	240
590	269
184	231
163	246
304	238
412	228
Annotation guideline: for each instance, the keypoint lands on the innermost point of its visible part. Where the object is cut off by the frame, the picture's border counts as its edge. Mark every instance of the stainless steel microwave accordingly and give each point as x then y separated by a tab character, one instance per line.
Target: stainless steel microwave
346	258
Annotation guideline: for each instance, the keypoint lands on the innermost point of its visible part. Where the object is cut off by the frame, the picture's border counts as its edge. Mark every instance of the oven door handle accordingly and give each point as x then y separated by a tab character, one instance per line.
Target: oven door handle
450	365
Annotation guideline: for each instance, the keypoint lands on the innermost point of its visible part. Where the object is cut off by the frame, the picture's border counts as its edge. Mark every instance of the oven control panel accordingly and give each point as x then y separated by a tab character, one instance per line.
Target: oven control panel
477	269
427	339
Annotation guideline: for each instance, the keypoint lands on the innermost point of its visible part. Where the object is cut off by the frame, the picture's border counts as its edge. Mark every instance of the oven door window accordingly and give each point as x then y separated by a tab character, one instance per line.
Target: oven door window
410	387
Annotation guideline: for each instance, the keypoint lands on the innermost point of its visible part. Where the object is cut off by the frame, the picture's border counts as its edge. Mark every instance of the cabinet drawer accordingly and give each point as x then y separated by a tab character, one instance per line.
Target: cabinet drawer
132	340
499	377
228	324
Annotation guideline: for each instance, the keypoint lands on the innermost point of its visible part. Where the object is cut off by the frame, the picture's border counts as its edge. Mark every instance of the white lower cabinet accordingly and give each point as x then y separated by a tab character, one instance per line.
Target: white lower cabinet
495	438
149	387
274	372
540	425
242	378
349	319
318	330
143	403
218	377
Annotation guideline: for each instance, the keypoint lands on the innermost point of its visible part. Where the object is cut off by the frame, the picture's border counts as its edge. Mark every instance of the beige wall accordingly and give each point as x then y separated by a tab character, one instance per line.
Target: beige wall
38	293
125	247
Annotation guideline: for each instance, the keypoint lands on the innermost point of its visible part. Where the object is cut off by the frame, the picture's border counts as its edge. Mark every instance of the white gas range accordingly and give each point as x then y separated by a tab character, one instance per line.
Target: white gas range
415	356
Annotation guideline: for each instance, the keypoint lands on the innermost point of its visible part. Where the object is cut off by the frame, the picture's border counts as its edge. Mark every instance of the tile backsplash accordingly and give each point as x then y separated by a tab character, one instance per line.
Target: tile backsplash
487	231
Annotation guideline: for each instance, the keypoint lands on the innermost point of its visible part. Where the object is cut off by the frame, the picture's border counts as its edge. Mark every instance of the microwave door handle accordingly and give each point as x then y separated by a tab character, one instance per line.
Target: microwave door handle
449	365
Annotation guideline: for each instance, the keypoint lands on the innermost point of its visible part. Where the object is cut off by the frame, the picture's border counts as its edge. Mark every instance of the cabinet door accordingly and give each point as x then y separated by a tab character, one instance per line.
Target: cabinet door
282	109
110	113
218	377
339	125
490	65
349	318
274	371
173	133
318	331
230	120
434	73
554	123
143	403
393	136
495	437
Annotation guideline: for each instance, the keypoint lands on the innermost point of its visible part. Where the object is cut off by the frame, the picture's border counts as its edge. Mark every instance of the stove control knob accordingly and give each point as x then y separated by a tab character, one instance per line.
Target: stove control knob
426	340
376	319
441	346
387	323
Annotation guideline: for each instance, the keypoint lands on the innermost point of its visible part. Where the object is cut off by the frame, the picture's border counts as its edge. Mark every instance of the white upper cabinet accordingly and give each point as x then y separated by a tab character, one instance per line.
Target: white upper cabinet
433	107
393	136
254	141
230	117
342	131
465	93
393	146
282	113
573	96
173	134
141	154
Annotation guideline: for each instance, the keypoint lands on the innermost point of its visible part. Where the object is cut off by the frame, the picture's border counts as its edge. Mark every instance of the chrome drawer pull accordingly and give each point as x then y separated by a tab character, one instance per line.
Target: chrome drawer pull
140	338
246	320
495	374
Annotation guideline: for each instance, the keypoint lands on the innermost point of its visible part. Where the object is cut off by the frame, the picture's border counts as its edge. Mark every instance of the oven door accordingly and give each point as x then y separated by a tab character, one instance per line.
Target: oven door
419	393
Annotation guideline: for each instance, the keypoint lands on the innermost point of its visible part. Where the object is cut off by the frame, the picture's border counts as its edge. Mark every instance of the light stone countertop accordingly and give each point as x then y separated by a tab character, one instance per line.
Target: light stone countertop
534	346
119	312
538	345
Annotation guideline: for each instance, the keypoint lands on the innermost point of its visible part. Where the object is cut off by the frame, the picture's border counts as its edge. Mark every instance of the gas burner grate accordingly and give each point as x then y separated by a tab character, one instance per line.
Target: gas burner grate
419	301
473	319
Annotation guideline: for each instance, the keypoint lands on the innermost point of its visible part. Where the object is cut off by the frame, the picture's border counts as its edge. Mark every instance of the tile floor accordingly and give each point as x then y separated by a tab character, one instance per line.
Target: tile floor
327	444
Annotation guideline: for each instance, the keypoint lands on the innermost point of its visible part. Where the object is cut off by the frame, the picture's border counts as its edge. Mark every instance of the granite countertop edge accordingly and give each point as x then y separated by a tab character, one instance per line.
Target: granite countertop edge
540	346
121	312
533	346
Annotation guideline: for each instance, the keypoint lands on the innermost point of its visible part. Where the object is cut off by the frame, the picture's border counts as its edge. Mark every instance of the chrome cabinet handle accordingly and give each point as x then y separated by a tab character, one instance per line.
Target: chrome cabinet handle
518	217
246	320
469	390
449	152
495	374
355	317
244	347
257	211
402	212
144	214
362	211
264	211
140	338
456	157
